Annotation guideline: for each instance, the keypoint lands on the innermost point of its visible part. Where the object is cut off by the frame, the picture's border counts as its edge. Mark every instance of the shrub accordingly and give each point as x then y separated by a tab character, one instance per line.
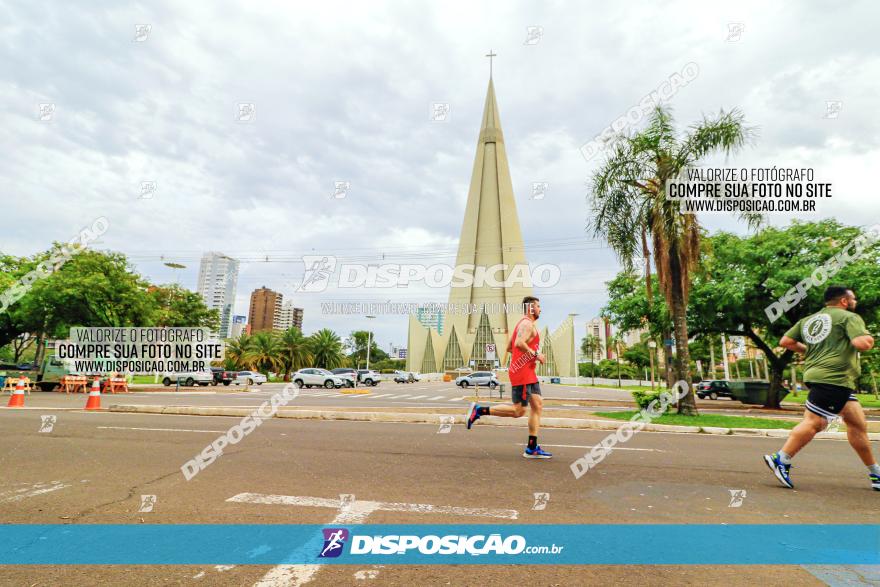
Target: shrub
644	398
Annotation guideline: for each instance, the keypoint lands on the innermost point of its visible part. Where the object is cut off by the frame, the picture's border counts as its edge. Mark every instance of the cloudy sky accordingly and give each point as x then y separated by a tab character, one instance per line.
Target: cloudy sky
343	91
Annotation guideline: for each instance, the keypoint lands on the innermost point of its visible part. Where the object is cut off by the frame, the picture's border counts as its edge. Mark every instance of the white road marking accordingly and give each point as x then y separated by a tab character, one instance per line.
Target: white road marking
402	396
161	429
437	397
349	512
613	448
34	490
418	397
380	395
423	508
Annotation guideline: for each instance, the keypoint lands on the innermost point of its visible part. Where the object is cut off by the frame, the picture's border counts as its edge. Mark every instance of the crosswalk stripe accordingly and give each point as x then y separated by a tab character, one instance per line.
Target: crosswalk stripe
418	397
436	397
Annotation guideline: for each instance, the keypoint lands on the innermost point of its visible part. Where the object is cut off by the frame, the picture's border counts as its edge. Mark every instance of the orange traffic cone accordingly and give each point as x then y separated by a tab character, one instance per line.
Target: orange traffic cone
94	401
17	399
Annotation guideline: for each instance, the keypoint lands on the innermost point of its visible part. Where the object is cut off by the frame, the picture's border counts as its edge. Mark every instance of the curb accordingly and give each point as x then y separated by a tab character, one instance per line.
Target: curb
415	418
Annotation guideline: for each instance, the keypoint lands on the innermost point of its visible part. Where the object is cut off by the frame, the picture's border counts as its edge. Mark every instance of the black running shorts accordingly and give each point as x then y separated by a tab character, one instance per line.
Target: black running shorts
828	400
522	393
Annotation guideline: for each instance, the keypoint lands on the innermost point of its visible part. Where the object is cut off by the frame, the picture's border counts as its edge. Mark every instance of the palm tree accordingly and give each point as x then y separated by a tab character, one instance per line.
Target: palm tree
619	346
265	353
326	349
630	209
590	345
294	351
237	350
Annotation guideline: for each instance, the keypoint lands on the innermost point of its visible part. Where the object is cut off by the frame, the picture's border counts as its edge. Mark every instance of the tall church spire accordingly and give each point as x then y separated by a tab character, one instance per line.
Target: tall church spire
490	233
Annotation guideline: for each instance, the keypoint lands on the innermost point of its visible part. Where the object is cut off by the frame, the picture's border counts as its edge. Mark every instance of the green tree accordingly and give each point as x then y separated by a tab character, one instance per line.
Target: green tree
618	344
630	209
357	345
265	353
237	351
744	275
178	307
295	353
91	289
326	349
590	346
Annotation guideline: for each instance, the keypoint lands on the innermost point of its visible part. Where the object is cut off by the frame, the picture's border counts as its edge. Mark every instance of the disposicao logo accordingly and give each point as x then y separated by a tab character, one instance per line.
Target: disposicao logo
334	541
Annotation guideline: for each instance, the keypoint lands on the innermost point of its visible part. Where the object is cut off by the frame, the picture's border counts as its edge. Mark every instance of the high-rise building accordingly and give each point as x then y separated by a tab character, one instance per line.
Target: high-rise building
289	317
239	326
480	319
601	329
265	308
218	278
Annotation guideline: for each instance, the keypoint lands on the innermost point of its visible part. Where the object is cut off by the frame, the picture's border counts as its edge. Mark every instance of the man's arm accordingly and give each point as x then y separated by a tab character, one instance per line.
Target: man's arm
792	345
523	335
858	334
863	343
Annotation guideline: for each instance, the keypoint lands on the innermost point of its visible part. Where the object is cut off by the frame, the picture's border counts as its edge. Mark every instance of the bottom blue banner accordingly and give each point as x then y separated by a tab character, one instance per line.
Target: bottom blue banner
249	544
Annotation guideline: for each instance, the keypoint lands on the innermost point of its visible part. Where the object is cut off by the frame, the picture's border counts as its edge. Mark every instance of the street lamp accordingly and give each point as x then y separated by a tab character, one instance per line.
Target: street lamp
369	344
574	348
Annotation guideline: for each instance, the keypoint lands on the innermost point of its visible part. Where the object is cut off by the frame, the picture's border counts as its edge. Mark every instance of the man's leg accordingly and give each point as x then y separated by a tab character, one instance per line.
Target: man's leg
803	433
857	431
536	403
516	410
800	436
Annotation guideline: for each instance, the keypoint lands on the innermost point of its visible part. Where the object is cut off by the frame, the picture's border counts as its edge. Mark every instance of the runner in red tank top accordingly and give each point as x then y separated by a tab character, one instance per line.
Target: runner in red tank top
524	356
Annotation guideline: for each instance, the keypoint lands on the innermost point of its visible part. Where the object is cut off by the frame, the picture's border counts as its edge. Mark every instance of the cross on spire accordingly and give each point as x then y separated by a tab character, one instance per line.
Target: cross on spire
490	55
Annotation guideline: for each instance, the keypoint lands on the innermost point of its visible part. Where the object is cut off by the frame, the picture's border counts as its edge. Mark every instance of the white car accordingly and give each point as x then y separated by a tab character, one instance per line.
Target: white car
315	377
249	378
369	377
188	379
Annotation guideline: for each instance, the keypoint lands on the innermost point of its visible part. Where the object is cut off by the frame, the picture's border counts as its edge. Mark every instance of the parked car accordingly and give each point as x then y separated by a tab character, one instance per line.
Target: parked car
369	377
403	377
249	378
486	378
222	376
414	376
203	378
314	377
348	375
713	389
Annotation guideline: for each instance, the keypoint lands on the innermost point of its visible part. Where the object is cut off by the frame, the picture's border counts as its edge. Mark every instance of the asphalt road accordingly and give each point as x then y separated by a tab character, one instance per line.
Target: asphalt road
386	395
94	468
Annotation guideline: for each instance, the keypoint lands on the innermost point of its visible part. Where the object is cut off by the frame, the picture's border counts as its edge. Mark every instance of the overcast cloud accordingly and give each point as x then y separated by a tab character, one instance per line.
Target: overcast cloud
343	92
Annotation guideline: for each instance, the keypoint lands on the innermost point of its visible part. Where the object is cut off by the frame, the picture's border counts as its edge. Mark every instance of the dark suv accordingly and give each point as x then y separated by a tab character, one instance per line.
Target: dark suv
222	376
713	389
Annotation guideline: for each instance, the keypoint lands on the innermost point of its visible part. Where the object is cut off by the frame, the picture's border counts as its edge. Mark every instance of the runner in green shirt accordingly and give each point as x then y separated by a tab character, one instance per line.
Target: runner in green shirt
830	341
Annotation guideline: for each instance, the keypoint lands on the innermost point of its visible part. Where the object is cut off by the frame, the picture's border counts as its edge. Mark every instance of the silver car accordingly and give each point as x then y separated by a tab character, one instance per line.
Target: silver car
485	378
317	378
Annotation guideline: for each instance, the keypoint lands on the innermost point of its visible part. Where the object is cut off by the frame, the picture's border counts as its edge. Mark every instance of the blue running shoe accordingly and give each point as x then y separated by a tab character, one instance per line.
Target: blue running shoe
536	453
779	469
473	414
875	481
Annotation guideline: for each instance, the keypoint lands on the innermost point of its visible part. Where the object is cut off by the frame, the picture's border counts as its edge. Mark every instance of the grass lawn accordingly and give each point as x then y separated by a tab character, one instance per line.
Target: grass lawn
145	379
866	399
718	420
